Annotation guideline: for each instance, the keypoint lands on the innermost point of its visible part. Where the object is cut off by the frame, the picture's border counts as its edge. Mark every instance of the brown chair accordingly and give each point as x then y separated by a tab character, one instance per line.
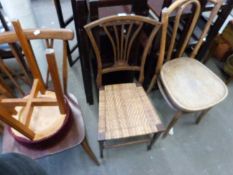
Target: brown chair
44	114
12	50
202	27
186	84
125	111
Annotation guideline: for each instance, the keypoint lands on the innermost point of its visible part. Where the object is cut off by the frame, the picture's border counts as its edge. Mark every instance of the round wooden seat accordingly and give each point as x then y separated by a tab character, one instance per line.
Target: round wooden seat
191	85
46	121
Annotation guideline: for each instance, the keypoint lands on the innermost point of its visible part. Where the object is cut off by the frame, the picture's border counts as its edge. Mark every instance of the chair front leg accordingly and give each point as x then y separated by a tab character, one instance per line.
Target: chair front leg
89	151
172	122
101	144
153	140
202	115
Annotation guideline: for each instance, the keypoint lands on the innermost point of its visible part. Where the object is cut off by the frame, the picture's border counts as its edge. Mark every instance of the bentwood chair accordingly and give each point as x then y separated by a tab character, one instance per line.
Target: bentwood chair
125	111
186	84
44	116
209	12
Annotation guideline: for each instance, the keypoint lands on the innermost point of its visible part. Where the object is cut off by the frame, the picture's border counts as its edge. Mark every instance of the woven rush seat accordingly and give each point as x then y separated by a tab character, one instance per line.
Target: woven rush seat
191	85
126	111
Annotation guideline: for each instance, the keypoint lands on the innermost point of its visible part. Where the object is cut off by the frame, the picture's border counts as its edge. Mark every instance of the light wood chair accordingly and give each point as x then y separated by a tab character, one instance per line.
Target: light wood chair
43	114
186	84
125	111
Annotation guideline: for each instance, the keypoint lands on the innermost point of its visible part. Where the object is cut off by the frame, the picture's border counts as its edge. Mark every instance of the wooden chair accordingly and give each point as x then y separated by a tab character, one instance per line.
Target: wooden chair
203	24
12	50
187	85
43	114
63	24
125	111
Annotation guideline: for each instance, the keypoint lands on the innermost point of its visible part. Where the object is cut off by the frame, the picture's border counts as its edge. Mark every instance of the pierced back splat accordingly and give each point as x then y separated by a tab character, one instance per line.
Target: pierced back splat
122	32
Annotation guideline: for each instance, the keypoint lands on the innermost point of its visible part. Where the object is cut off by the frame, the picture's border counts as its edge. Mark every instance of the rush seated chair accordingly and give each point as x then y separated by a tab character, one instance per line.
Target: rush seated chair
125	111
186	84
44	115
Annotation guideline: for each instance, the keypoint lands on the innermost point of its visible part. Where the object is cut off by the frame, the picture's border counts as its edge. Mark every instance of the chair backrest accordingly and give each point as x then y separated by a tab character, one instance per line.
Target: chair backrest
178	7
172	28
122	33
24	37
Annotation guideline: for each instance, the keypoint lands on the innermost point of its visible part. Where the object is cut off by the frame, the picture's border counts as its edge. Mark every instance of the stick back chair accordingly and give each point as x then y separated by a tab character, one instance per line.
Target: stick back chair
125	110
43	114
186	84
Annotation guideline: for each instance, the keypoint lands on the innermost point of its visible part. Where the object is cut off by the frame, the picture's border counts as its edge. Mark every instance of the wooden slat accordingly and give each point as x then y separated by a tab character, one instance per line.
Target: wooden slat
61	34
6	117
28	109
52	65
29	54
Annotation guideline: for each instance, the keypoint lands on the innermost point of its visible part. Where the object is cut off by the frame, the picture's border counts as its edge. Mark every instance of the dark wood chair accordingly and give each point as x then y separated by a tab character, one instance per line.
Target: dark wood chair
63	24
9	51
44	115
82	12
186	84
125	111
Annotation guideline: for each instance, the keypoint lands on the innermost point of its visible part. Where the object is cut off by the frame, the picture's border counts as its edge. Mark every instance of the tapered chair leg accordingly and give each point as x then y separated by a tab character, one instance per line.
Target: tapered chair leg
101	143
172	123
153	140
88	150
201	116
228	80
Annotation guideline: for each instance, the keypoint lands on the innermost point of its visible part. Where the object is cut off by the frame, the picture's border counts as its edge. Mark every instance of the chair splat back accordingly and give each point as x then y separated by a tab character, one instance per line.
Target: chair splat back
39	95
122	32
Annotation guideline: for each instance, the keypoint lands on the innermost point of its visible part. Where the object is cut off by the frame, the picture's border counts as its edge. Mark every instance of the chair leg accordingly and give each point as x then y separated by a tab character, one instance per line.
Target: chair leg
228	80
172	122
153	140
88	150
201	116
101	143
1	128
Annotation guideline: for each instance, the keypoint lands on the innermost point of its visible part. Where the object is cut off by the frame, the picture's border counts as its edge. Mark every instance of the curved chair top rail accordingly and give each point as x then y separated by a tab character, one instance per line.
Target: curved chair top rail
178	7
114	18
33	34
122	32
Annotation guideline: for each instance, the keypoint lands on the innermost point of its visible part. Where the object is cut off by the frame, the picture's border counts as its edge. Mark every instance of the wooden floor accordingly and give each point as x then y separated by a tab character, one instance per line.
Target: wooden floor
205	149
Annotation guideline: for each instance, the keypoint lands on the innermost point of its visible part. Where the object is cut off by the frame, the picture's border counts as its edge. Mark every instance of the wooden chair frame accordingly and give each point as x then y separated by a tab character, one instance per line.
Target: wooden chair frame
180	6
122	44
38	83
125	30
165	17
7	105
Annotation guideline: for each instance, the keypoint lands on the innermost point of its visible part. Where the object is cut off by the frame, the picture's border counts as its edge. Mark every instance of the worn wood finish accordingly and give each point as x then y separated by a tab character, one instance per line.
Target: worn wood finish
29	54
44	121
32	100
41	114
55	78
44	33
124	109
187	84
178	7
187	81
6	117
125	30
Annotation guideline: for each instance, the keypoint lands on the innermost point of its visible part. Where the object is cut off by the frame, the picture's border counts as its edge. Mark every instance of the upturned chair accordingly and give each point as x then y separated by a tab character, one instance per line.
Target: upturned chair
186	84
43	115
125	111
